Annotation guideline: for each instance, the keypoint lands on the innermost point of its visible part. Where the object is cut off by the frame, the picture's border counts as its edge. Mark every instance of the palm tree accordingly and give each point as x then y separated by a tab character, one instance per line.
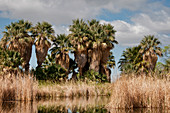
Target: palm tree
92	42
80	40
60	50
103	38
150	50
130	60
17	37
43	33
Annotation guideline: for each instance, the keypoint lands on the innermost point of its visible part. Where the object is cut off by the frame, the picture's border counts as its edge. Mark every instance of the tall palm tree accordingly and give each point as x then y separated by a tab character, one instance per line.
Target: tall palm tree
92	42
80	40
43	33
150	50
60	50
17	37
103	38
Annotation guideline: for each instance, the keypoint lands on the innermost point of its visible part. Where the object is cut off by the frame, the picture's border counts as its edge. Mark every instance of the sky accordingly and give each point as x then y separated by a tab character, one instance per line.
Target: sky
132	19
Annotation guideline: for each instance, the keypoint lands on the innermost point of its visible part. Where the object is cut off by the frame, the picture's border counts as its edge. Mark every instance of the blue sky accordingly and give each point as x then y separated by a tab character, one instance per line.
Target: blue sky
132	19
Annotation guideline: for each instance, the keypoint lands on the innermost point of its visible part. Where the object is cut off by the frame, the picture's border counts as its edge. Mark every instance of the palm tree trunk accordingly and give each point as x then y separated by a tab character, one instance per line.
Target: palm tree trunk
41	51
81	59
95	59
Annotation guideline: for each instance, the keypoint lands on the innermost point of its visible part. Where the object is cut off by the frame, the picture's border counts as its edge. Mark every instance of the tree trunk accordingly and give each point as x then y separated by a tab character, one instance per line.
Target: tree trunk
63	60
26	53
41	51
104	59
96	56
150	58
25	50
81	59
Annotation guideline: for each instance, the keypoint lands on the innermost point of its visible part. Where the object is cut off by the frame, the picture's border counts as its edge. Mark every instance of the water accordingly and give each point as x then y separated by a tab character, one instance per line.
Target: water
75	105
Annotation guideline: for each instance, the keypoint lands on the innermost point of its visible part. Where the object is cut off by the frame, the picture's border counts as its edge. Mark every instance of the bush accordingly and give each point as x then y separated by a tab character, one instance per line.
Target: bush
91	75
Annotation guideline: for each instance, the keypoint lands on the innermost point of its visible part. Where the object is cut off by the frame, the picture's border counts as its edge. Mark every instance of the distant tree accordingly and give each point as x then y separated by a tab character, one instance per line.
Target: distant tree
150	50
142	58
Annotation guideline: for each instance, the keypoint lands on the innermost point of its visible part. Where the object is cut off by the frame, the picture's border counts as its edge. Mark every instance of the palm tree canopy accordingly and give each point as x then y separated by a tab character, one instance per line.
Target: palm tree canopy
150	44
17	31
60	44
44	34
43	31
130	58
85	34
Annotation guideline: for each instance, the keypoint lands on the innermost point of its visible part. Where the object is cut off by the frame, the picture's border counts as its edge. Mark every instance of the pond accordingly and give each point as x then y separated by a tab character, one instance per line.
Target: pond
69	105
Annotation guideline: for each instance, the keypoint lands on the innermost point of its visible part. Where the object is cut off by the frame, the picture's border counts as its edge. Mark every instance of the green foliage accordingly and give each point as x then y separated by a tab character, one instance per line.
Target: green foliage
150	44
51	109
91	75
17	32
164	67
50	71
43	30
130	60
60	45
87	35
10	59
133	62
111	62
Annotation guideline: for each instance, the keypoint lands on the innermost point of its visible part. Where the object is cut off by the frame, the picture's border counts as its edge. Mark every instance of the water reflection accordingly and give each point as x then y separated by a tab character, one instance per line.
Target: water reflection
67	105
18	107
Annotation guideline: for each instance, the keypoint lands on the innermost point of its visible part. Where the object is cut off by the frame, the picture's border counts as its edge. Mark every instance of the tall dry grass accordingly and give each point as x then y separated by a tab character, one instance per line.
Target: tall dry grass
140	92
17	87
72	89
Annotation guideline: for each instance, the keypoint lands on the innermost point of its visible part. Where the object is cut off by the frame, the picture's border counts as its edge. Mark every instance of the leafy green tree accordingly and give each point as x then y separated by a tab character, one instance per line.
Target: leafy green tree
10	60
51	71
164	67
166	51
92	75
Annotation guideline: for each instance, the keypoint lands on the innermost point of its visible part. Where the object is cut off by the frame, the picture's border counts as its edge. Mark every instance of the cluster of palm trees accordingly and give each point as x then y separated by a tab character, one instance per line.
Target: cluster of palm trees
20	37
141	59
89	41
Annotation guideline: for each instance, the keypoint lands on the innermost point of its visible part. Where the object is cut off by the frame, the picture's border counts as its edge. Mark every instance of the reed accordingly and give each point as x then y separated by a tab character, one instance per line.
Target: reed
140	92
72	89
17	87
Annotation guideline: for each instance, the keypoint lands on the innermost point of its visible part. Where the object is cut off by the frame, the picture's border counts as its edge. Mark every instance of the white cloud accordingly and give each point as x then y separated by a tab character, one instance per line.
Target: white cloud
62	11
130	34
61	29
154	18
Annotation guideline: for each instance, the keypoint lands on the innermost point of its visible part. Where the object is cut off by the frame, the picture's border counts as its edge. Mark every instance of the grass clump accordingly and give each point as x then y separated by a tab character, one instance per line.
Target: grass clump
140	92
72	89
17	87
